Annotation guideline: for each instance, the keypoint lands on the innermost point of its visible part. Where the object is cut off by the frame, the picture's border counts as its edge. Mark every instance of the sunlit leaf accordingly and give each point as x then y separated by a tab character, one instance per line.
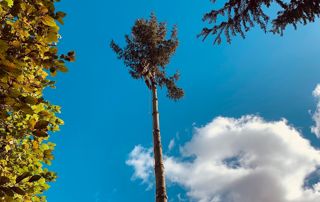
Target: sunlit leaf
27	52
48	20
9	2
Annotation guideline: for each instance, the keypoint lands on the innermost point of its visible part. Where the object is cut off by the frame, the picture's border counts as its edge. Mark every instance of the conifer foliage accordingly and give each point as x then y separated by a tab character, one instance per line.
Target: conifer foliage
28	53
237	16
146	54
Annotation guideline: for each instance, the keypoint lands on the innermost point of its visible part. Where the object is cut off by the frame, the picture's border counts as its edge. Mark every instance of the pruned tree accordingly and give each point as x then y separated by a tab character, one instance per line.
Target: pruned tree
146	54
237	17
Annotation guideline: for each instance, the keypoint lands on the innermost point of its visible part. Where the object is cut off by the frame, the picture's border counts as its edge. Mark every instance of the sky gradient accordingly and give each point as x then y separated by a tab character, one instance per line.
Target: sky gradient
107	113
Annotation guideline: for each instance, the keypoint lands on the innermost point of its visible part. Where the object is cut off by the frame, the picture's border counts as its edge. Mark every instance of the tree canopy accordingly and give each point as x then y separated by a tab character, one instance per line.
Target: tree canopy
238	16
28	54
147	53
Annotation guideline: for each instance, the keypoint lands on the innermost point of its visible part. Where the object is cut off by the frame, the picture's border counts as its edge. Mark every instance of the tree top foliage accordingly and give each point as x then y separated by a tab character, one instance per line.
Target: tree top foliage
28	54
147	53
238	16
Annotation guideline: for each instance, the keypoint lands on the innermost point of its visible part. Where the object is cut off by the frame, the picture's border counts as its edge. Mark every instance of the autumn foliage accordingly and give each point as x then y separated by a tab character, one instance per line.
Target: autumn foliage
28	54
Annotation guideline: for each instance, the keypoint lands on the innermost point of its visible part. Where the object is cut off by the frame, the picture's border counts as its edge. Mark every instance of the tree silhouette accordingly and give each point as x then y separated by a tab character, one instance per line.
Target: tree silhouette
146	54
241	15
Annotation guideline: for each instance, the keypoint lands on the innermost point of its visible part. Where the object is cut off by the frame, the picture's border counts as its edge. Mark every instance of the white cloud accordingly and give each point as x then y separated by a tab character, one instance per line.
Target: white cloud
142	162
316	116
240	160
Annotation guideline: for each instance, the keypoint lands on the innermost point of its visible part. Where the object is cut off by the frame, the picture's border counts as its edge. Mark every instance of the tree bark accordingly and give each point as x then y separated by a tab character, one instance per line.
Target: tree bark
161	193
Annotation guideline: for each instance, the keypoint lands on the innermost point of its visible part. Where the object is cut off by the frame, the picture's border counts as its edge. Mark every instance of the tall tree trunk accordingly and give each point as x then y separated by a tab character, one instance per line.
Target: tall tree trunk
161	193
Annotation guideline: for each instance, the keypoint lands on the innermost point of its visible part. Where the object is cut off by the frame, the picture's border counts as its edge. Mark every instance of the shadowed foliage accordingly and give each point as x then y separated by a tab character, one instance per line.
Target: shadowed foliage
237	17
146	54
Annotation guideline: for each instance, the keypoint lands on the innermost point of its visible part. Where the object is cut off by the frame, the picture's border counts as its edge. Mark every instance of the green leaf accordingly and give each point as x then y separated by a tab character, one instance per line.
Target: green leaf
7	148
9	2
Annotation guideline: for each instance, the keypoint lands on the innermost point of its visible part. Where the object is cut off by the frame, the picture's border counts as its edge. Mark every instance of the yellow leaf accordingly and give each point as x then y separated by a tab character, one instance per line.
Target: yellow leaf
44	10
7	147
9	2
35	145
20	78
16	43
52	37
48	20
32	123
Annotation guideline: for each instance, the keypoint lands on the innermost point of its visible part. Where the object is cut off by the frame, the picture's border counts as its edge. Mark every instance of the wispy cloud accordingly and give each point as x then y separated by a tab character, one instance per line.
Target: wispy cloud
171	144
316	116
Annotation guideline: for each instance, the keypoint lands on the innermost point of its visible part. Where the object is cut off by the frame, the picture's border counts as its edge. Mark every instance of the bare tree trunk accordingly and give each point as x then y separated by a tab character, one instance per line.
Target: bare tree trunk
161	193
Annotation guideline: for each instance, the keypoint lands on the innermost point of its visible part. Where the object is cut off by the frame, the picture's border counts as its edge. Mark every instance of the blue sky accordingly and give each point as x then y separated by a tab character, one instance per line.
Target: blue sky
107	113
